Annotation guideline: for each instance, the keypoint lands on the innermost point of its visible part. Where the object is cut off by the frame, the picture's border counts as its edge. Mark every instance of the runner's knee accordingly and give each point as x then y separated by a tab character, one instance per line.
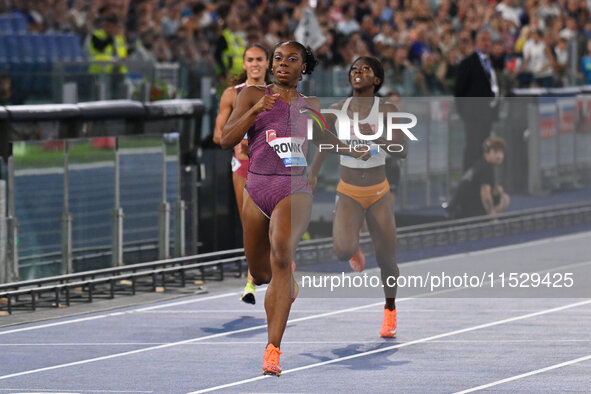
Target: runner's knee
345	250
261	277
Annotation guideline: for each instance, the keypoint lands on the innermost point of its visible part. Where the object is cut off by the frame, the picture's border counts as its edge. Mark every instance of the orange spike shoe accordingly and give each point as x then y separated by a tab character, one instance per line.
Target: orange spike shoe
389	324
271	361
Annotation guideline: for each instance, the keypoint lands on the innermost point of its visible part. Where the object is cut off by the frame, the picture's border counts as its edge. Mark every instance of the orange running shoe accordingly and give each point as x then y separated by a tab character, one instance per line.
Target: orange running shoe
271	361
389	324
357	262
296	287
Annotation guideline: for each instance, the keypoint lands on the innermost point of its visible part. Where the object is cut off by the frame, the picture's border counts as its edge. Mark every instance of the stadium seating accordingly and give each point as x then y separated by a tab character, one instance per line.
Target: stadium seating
30	57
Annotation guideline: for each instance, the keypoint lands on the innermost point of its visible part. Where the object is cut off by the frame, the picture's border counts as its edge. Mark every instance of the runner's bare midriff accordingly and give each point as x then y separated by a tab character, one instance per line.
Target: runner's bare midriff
363	176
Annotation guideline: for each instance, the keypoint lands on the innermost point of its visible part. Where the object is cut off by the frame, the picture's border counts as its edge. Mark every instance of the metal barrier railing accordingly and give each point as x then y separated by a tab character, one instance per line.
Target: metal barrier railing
427	172
84	130
158	275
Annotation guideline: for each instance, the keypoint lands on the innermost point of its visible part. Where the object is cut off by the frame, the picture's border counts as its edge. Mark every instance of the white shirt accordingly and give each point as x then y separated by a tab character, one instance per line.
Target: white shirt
384	39
348	27
487	65
509	13
567	34
537	58
561	56
372	119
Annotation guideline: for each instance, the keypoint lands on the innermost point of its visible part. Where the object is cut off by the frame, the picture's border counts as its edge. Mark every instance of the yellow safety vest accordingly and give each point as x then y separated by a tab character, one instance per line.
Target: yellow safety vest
107	54
232	55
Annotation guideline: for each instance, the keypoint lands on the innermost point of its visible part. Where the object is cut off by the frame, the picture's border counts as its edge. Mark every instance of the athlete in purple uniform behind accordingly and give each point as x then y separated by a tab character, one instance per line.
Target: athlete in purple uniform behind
255	65
277	184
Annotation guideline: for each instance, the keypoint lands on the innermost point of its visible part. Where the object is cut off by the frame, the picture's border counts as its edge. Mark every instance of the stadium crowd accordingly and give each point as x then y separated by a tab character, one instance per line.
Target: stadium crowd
421	42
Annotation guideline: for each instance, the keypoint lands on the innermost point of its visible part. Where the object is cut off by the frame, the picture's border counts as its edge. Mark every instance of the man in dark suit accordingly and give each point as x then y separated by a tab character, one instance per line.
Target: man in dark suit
476	90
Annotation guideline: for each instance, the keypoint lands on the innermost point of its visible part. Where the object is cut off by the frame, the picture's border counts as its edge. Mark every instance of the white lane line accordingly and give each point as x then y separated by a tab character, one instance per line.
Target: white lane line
224	295
527	374
187	341
500	340
223	334
496	249
191	301
58	391
112	314
538	242
237	343
60	323
400	345
246	312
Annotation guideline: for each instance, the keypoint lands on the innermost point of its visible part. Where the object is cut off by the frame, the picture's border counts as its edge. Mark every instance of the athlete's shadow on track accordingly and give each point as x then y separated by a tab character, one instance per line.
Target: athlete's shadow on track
373	362
238	324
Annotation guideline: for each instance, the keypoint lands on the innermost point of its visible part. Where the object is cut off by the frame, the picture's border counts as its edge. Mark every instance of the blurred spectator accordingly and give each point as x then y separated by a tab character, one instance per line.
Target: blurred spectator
143	49
230	44
586	64
7	95
368	32
77	16
274	31
183	47
447	42
403	73
510	11
427	78
171	21
162	49
548	9
570	31
57	20
499	60
25	9
465	45
448	71
419	45
203	30
478	193
537	66
363	9
108	44
325	54
348	24
384	11
476	79
524	35
498	57
561	65
198	21
39	11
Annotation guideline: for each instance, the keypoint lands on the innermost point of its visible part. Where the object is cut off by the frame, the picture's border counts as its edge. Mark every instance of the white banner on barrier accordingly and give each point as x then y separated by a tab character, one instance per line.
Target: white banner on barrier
566	127
548	154
583	133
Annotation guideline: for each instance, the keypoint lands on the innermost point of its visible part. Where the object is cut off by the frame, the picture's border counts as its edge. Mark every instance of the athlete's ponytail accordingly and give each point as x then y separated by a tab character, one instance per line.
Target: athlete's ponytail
311	61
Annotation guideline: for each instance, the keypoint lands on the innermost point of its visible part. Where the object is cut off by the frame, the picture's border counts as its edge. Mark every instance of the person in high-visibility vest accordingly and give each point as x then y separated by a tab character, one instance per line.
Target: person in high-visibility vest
108	44
230	46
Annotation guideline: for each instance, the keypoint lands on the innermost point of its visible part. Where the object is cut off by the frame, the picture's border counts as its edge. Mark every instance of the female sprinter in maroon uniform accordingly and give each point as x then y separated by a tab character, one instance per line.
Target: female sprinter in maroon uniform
277	183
